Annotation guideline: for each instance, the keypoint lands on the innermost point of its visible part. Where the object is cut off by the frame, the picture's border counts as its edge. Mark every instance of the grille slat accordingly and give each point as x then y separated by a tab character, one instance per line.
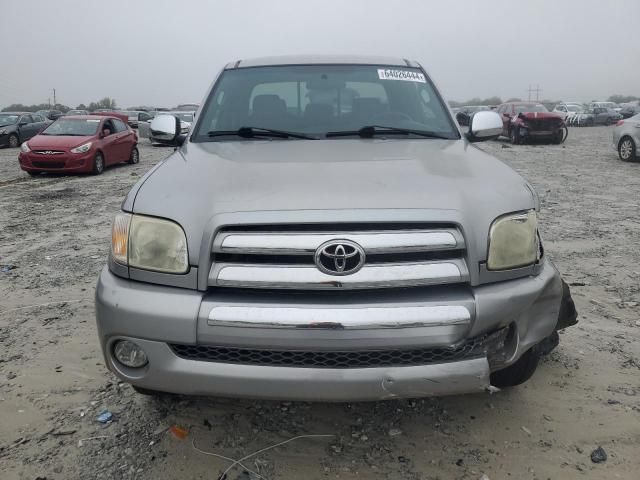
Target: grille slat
474	348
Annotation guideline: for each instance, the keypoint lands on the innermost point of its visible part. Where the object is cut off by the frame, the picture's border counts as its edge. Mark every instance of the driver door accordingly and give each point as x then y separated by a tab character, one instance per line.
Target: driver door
109	143
26	128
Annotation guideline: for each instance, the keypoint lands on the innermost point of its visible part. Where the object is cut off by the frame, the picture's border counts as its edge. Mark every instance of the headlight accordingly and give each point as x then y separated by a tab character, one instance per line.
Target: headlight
2	132
82	148
24	147
149	243
513	241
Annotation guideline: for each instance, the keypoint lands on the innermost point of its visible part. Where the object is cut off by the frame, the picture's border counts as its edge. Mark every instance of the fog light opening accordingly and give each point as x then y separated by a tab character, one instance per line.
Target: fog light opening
129	354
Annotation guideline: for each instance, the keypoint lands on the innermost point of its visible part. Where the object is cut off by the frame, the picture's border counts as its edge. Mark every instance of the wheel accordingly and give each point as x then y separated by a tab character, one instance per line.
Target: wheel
14	141
627	149
560	137
519	372
33	174
135	156
513	136
589	122
98	164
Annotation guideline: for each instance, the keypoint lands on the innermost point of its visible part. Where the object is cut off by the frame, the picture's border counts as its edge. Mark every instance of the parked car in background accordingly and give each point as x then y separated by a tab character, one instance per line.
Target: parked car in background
626	138
463	116
86	143
134	117
630	110
244	267
187	107
568	109
608	105
76	112
121	116
603	115
524	121
581	118
50	114
16	127
186	119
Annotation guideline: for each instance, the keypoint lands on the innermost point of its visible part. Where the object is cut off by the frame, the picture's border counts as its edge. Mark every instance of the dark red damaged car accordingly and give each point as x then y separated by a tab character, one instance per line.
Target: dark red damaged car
83	143
525	121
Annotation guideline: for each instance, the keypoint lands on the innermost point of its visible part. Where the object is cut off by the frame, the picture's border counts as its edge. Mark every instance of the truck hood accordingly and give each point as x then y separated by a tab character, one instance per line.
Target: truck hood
205	184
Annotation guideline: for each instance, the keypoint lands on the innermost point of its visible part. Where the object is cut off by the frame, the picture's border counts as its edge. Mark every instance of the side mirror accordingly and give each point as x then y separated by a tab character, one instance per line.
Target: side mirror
484	126
166	129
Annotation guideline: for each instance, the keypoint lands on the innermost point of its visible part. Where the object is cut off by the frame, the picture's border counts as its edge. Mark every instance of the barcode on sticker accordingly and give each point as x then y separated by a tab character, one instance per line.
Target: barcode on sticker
406	75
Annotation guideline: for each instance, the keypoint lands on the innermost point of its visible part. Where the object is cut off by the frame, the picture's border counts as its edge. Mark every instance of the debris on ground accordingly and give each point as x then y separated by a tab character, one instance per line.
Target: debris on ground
599	455
7	268
105	417
178	432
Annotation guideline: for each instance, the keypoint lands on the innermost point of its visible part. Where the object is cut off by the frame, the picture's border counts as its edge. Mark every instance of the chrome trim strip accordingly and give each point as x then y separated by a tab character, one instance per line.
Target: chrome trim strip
297	243
384	275
339	318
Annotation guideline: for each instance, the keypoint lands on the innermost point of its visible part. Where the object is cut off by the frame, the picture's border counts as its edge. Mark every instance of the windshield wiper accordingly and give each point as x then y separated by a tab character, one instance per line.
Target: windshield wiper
370	131
252	132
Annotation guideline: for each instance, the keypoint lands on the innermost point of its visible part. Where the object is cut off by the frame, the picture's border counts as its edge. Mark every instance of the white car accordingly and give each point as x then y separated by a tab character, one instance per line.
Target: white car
566	110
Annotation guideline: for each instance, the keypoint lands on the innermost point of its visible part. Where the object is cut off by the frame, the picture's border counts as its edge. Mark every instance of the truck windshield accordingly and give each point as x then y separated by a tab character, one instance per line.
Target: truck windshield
316	99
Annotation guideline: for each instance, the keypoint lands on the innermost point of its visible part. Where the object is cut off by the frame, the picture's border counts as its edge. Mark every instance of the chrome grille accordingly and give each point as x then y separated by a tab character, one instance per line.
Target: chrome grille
282	257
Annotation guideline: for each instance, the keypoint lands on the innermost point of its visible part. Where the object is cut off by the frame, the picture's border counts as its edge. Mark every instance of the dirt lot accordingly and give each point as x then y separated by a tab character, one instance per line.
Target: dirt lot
55	231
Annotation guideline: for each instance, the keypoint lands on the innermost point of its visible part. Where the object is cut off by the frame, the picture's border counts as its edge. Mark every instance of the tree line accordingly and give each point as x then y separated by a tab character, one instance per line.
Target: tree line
105	102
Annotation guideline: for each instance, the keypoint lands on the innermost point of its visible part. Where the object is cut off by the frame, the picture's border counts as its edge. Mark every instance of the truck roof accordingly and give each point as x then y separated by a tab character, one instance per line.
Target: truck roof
321	60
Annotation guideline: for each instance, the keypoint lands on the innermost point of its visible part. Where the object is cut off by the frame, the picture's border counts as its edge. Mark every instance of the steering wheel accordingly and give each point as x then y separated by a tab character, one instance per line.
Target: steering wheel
392	117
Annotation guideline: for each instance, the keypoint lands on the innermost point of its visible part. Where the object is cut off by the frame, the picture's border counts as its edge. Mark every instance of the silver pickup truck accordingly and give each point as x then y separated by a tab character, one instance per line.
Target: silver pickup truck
326	231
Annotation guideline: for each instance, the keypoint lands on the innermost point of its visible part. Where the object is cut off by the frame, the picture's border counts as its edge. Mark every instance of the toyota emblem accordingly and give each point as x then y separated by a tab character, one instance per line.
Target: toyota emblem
339	257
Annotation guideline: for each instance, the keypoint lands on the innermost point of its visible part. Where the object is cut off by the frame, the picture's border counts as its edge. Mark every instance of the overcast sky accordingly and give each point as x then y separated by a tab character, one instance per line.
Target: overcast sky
158	52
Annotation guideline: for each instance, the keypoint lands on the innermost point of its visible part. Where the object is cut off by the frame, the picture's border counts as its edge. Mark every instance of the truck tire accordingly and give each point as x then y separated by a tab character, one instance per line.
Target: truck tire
519	372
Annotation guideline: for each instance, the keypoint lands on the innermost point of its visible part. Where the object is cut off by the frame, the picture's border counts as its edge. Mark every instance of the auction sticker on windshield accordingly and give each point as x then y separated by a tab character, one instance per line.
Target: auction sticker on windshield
406	75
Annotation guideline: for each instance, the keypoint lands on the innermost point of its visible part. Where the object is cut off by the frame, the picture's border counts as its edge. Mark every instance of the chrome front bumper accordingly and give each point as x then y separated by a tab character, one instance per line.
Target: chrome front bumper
155	316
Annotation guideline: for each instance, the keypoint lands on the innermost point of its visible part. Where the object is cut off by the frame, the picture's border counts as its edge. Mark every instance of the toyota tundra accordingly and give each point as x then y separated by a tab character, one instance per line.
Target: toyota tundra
326	231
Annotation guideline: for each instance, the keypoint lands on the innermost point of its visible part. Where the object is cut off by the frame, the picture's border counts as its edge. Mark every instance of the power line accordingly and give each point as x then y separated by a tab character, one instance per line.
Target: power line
537	90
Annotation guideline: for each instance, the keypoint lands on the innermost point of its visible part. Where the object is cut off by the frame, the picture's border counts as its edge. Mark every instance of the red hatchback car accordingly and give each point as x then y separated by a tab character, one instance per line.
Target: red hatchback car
83	143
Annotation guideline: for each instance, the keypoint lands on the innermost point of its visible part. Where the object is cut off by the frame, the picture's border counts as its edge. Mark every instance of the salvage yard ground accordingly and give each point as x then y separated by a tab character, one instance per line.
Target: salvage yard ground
55	230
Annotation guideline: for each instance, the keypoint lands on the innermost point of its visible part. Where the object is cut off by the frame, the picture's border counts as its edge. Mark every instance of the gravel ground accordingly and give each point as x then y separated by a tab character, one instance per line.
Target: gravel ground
55	231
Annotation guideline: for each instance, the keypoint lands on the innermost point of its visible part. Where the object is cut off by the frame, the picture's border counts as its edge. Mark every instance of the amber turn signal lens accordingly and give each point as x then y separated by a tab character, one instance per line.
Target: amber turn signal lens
120	238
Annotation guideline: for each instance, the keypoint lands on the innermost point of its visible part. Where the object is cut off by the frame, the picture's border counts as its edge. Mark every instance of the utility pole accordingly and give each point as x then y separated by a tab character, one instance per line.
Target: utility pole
537	90
54	98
